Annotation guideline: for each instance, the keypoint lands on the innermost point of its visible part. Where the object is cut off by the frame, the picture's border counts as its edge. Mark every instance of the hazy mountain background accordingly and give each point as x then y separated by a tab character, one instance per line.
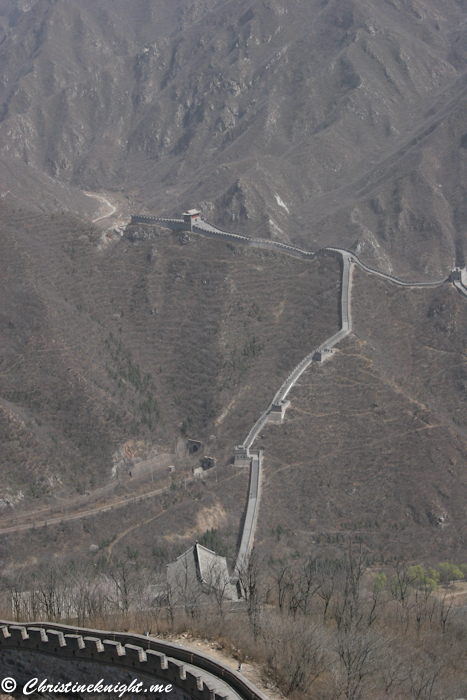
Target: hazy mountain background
313	122
305	121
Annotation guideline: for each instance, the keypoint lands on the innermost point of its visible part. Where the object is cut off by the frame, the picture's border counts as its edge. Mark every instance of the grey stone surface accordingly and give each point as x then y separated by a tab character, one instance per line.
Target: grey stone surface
199	567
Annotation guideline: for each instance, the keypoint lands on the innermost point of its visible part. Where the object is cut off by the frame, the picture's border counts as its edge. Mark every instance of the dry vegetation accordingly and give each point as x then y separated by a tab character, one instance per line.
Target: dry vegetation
335	123
324	629
307	122
114	356
374	442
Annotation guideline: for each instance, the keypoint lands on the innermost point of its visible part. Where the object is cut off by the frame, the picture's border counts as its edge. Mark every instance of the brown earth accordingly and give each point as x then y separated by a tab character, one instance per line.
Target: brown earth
375	441
340	123
373	446
112	356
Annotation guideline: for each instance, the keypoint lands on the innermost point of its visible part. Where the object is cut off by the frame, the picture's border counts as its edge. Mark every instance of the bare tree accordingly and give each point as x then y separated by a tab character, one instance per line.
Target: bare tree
218	585
252	589
328	583
16	588
185	589
123	575
361	655
349	612
297	652
283	578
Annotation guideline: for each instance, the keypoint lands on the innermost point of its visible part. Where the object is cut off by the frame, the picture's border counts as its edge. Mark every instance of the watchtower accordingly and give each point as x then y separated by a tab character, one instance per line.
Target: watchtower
322	354
277	412
242	456
192	216
459	274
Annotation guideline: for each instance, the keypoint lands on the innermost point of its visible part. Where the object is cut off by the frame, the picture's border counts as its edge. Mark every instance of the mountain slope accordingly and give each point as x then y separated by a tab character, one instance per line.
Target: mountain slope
312	122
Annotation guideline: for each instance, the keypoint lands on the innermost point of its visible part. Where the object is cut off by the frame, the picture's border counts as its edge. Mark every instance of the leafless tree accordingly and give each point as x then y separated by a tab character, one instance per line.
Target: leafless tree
185	590
218	586
297	652
283	578
252	588
124	577
361	654
349	611
426	670
328	583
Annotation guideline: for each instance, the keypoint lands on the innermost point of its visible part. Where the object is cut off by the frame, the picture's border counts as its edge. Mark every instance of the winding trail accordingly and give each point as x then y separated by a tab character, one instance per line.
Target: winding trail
104	200
57	520
348	259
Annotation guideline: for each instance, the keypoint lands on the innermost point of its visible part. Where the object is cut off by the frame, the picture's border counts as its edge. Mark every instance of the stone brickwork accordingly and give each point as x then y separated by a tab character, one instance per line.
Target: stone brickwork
242	456
23	666
277	412
249	526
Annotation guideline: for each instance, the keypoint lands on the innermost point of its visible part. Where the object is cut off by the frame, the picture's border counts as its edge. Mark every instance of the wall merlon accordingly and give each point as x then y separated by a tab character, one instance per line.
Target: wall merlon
134	652
116	646
99	647
75	641
56	637
18	632
38	634
197	675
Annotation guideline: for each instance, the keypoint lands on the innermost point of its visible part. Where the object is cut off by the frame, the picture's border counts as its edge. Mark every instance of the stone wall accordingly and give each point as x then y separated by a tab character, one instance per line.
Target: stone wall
23	666
40	649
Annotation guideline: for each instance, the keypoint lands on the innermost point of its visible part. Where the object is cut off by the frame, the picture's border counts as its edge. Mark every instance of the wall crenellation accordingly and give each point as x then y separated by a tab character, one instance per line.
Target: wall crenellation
197	675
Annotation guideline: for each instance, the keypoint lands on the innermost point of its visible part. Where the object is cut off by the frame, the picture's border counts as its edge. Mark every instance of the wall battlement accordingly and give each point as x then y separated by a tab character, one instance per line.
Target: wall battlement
197	675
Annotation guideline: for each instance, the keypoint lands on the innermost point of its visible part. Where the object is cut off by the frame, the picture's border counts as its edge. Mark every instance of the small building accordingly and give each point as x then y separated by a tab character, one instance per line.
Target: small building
199	569
208	462
242	456
277	412
323	354
192	216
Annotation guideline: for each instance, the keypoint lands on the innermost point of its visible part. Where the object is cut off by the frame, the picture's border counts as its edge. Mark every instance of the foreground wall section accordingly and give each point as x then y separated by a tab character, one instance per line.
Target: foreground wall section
194	675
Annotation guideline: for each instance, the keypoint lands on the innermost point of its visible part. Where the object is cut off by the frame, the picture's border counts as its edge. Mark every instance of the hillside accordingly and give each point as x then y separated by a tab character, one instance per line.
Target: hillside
376	440
118	351
315	123
340	122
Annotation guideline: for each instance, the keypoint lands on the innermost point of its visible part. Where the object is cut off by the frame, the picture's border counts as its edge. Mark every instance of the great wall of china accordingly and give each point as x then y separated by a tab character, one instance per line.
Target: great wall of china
55	648
244	456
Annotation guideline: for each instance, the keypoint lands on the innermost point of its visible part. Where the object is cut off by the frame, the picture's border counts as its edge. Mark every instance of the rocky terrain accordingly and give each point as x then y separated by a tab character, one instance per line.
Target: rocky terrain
305	121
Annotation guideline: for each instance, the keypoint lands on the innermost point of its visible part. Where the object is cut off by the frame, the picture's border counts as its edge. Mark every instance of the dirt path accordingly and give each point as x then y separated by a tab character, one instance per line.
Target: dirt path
81	514
130	529
104	200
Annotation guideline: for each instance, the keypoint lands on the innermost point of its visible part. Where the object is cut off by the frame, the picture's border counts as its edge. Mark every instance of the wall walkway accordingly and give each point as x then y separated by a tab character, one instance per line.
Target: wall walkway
249	526
460	287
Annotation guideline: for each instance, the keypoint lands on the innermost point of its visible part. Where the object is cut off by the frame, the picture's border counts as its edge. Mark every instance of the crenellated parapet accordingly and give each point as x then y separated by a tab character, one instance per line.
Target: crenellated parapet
196	675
